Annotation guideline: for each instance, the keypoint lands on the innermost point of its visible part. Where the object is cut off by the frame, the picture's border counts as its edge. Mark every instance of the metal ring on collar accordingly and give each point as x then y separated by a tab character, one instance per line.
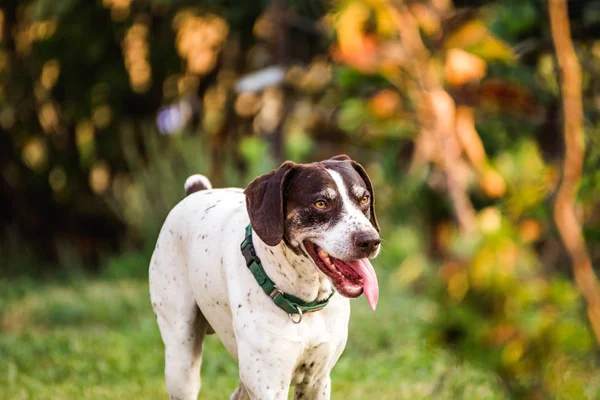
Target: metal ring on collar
299	318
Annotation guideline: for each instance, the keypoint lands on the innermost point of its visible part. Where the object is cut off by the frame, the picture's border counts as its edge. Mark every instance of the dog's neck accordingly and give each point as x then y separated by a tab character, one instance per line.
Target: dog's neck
293	273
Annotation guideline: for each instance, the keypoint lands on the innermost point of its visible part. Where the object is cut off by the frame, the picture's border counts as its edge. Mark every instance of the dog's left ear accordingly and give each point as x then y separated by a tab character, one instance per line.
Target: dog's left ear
265	203
363	174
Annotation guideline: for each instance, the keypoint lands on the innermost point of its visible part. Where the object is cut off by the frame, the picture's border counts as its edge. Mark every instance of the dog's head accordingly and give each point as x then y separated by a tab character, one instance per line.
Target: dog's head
325	210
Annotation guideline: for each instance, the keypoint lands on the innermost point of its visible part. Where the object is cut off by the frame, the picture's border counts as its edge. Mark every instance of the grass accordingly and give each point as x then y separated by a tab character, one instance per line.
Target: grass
97	339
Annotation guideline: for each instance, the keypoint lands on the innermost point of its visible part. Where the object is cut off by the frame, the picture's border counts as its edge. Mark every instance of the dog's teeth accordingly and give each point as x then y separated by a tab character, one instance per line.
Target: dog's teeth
323	253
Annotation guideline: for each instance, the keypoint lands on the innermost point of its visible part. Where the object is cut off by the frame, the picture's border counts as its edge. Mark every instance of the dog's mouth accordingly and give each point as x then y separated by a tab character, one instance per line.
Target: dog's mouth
350	278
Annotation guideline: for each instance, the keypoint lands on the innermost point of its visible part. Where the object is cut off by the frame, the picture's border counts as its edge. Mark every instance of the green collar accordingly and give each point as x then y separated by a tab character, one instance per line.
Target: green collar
288	303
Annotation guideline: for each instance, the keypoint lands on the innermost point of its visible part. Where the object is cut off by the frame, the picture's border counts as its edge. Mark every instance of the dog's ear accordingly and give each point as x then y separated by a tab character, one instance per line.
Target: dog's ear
265	203
341	157
363	174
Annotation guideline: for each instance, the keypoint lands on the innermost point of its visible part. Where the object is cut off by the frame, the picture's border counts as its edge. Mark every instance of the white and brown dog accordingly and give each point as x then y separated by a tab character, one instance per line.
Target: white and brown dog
313	229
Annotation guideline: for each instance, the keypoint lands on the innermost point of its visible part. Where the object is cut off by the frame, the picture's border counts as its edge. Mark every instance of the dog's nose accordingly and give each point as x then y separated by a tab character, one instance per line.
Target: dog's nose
367	241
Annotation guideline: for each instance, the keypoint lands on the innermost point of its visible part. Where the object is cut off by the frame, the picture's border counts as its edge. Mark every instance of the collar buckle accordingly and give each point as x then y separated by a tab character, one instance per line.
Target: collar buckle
249	253
275	293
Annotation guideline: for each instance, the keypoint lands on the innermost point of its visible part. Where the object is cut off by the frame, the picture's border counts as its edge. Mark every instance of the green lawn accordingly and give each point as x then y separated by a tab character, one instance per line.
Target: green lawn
97	339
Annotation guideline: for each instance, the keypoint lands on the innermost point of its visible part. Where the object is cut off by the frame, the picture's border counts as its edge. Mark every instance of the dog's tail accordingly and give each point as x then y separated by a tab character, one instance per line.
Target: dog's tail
196	183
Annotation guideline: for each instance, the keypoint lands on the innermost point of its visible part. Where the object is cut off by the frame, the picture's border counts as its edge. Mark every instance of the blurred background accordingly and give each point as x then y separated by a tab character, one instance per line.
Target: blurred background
490	224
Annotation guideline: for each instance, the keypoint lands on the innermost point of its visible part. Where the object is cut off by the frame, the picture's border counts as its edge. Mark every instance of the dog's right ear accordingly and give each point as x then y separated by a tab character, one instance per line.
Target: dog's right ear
265	203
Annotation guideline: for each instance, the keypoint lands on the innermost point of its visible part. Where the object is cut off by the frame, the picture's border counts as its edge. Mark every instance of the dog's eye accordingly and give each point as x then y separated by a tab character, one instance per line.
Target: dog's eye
365	200
320	204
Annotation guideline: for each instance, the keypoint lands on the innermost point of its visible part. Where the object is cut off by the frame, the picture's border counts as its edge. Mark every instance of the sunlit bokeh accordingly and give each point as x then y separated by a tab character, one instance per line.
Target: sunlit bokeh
119	9
99	179
34	153
136	53
199	39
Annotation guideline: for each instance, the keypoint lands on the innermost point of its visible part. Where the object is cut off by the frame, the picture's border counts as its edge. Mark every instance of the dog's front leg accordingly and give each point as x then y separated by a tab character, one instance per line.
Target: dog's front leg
318	389
240	393
266	370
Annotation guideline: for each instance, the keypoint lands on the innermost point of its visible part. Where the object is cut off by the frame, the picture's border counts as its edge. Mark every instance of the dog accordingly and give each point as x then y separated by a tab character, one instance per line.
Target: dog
244	264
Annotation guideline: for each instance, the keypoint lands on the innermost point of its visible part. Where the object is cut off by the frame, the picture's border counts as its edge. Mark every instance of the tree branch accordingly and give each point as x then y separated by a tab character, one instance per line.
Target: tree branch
564	208
436	114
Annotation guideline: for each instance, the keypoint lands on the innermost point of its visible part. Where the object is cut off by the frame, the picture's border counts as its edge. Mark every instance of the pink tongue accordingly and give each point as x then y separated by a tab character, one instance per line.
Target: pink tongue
370	285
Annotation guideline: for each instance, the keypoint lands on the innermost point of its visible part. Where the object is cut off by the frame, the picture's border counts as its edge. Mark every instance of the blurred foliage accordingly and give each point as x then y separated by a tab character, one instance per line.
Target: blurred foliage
107	106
